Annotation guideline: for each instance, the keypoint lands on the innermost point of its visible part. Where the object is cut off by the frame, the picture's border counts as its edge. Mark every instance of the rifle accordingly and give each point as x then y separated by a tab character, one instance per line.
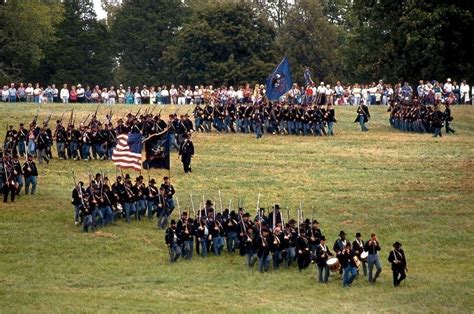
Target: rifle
230	204
62	116
204	204
95	113
192	204
85	120
282	224
299	220
71	117
311	222
220	200
138	112
274	219
109	117
36	117
153	109
199	213
101	183
258	206
47	119
179	209
159	112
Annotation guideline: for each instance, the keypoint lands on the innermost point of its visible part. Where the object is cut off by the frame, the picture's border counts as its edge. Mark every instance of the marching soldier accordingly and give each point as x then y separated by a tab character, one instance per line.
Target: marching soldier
358	247
173	241
322	255
348	265
448	118
372	247
186	151
31	175
363	117
399	263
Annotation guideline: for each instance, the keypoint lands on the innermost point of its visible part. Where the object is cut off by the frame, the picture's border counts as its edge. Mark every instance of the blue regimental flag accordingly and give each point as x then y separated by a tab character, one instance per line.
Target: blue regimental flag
157	148
280	81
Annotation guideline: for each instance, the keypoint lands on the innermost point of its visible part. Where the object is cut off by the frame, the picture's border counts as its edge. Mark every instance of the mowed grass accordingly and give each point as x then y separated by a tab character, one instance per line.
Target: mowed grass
407	187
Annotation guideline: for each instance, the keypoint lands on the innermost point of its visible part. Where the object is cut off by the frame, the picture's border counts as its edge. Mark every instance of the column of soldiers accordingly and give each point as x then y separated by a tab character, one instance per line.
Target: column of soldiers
270	118
420	118
271	242
102	202
91	138
14	174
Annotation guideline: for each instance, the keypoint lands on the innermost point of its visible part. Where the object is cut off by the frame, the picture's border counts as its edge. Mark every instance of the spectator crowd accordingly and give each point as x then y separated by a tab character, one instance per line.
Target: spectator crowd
380	93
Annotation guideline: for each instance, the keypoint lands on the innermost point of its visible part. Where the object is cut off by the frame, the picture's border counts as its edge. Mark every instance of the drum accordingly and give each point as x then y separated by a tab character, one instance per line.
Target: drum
333	264
363	256
357	261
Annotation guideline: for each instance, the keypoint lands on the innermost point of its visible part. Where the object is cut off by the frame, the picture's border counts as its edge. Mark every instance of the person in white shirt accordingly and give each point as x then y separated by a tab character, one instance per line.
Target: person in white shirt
365	94
196	96
165	95
137	96
37	93
339	91
173	95
80	94
448	87
240	95
64	94
121	94
321	94
152	95
145	93
105	96
55	93
5	93
464	92
329	95
181	95
29	93
112	94
356	93
373	94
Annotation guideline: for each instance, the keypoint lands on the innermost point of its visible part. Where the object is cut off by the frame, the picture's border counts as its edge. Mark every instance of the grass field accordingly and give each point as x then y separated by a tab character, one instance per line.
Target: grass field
407	187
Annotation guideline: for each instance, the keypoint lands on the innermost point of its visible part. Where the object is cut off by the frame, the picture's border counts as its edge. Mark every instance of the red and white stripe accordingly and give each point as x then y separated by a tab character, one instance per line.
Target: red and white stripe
122	157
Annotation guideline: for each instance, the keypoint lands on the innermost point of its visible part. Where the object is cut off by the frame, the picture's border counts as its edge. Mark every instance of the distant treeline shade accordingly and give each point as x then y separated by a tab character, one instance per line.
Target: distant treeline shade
234	42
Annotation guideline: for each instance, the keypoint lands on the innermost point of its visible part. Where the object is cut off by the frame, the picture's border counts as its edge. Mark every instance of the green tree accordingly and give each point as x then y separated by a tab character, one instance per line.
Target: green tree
141	31
435	41
82	53
371	37
408	40
222	43
26	29
309	39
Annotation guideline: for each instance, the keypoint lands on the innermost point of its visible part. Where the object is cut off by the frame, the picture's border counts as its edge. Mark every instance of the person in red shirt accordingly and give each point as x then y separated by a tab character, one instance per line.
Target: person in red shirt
73	94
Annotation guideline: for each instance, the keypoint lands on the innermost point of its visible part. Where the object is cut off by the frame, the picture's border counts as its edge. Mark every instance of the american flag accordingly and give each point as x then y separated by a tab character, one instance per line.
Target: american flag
128	152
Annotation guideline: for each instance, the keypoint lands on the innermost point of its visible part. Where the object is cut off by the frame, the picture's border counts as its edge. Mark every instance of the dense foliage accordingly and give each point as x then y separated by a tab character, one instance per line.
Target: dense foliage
233	42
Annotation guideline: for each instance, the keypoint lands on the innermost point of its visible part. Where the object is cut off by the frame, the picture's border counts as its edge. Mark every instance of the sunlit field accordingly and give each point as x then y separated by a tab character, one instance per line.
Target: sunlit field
407	187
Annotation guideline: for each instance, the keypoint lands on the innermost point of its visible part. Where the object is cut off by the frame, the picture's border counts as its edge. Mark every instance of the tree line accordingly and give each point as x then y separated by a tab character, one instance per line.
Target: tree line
234	42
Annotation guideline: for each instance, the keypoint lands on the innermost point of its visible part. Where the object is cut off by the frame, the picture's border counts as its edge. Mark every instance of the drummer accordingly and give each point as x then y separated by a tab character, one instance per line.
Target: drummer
348	265
322	255
339	246
358	247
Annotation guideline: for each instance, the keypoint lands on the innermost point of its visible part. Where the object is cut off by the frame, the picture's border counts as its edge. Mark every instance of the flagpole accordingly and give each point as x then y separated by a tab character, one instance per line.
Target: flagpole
169	153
